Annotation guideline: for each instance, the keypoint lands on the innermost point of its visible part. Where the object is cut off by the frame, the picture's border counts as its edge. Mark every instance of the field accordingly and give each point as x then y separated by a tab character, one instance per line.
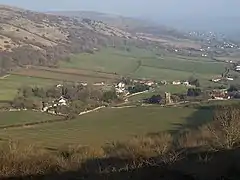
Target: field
109	124
140	63
109	64
10	84
21	117
105	126
160	90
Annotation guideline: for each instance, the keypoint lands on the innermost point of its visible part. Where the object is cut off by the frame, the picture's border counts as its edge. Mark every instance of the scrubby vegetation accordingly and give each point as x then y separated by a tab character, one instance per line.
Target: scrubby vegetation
189	154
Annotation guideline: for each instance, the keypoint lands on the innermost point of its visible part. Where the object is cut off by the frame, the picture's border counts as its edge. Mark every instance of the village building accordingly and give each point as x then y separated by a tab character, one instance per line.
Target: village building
176	82
221	94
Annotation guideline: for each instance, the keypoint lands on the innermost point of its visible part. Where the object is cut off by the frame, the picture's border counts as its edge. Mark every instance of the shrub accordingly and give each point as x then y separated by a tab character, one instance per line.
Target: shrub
141	147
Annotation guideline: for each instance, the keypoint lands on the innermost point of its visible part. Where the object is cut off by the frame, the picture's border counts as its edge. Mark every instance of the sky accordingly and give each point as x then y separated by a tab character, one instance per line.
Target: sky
138	8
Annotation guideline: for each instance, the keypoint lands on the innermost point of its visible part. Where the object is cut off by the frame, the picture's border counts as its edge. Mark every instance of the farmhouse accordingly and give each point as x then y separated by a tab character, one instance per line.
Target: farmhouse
186	83
216	80
176	82
220	94
237	68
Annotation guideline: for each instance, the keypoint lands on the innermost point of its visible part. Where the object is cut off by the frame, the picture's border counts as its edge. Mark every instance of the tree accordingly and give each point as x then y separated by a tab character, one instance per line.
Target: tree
155	99
175	98
193	92
25	91
138	88
194	81
225	127
109	96
234	88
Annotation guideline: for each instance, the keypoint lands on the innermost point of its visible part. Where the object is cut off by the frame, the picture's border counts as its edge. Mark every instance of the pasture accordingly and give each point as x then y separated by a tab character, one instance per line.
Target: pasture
107	125
22	117
160	90
140	63
10	84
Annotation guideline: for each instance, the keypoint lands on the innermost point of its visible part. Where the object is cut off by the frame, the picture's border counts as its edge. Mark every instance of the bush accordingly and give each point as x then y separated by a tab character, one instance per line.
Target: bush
141	147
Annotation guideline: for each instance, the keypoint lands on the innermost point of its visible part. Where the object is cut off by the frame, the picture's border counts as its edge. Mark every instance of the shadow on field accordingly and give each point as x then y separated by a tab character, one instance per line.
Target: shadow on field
224	165
200	117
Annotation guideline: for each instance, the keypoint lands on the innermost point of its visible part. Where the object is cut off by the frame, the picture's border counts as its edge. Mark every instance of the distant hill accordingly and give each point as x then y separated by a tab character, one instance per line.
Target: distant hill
32	38
133	25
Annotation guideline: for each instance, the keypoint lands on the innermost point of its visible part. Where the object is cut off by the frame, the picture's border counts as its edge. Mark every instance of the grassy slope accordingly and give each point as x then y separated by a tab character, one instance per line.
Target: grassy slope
12	118
9	85
108	125
168	66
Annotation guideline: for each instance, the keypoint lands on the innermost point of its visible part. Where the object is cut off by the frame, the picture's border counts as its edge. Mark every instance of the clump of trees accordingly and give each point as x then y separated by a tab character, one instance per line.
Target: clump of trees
193	92
194	81
138	88
155	99
79	97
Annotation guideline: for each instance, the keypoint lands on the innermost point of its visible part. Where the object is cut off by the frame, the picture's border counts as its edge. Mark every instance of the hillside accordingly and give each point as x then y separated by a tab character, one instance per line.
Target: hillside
134	25
31	38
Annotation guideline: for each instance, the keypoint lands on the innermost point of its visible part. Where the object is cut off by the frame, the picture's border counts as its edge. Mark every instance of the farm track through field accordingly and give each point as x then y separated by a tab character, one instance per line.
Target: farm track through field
34	76
4	77
62	72
67	71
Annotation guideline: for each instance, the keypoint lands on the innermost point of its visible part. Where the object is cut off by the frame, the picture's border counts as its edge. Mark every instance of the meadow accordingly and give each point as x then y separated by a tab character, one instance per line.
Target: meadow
139	63
160	90
110	64
107	125
10	85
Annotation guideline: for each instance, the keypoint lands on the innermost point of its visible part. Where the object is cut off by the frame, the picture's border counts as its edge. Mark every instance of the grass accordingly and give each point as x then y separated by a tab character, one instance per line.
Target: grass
68	75
9	85
140	63
107	60
107	125
21	117
160	90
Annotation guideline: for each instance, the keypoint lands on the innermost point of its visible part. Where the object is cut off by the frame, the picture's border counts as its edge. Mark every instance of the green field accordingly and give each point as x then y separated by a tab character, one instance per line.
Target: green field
160	90
107	125
109	64
140	63
21	117
9	85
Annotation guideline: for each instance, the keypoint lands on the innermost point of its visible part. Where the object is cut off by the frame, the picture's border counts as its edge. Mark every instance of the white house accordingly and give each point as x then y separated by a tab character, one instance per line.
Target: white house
59	85
186	83
62	101
216	80
149	83
84	84
176	82
121	85
237	68
230	79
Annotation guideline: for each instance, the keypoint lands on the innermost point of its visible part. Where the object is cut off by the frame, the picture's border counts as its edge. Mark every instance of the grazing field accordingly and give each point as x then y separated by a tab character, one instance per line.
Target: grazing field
108	125
140	63
68	75
106	61
10	84
160	90
21	117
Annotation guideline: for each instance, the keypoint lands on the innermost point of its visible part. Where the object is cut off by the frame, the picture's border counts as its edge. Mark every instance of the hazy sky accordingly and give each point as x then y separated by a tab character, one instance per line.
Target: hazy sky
138	8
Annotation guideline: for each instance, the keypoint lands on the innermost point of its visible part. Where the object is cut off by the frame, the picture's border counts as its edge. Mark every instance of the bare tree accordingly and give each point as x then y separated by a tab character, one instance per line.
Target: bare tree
225	127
